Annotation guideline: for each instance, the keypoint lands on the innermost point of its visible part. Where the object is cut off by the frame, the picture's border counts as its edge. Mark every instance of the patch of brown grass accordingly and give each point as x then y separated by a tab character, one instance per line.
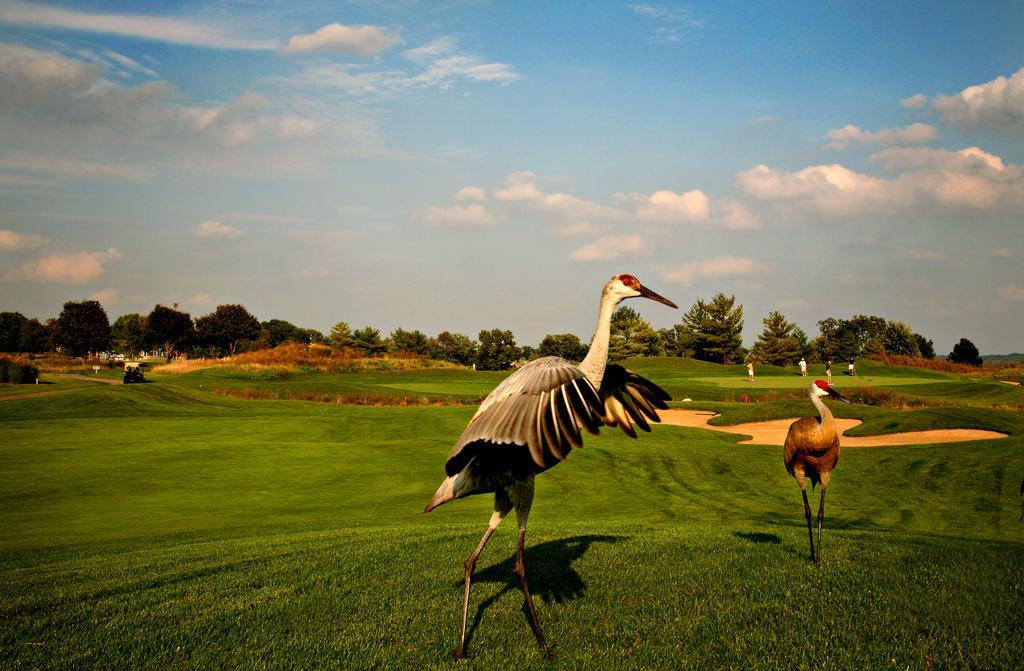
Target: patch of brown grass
364	398
918	362
294	357
886	399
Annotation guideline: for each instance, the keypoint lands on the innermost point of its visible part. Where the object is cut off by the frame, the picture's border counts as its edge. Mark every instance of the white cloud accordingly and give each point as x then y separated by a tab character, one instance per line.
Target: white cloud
215	229
932	178
737	216
721	266
1003	252
107	297
473	215
915	101
522	187
1012	292
198	300
145	26
671	207
73	168
12	240
672	24
610	248
358	40
444	63
830	189
130	63
474	193
996	104
918	133
70	268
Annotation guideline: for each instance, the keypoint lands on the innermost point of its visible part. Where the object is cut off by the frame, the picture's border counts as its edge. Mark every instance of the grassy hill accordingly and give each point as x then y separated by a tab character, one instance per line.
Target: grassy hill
165	525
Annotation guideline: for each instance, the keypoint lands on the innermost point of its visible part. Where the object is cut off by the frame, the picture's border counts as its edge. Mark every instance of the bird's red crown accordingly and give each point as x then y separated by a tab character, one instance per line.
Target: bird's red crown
630	281
822	385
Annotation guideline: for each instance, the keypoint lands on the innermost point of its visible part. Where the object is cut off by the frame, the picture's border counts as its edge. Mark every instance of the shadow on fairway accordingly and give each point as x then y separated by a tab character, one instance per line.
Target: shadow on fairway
757	537
549	572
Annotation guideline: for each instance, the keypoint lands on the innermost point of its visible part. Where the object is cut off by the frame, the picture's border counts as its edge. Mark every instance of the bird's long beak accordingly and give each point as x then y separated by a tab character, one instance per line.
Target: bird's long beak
647	293
836	395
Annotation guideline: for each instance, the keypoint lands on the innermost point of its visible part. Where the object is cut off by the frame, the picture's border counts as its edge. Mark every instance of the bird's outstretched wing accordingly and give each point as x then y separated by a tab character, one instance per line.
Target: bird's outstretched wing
628	397
542	406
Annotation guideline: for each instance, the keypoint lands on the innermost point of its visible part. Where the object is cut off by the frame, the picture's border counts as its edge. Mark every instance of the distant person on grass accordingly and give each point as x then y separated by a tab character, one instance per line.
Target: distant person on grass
828	371
803	367
853	368
750	371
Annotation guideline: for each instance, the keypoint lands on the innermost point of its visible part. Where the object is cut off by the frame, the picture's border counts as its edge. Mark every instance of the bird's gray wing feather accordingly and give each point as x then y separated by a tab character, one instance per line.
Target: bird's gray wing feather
542	406
628	398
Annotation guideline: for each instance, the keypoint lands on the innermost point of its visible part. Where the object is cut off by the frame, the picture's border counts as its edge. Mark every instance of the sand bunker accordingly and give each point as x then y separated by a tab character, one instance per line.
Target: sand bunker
773	432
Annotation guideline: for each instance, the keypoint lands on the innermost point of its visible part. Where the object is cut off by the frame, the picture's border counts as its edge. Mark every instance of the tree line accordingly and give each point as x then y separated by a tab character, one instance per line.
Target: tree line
709	331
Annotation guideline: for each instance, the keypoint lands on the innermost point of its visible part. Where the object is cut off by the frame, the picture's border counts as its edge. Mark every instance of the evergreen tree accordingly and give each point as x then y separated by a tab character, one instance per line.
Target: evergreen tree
340	336
927	347
368	340
777	344
674	341
713	331
631	336
965	352
408	341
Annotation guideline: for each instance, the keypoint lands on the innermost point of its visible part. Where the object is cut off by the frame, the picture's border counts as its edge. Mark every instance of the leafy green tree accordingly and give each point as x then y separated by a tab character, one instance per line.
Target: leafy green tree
279	331
713	331
83	327
806	351
454	347
408	341
34	337
340	336
127	333
565	345
870	333
632	336
168	329
926	347
11	324
313	336
226	327
899	339
497	350
965	352
368	341
838	340
777	345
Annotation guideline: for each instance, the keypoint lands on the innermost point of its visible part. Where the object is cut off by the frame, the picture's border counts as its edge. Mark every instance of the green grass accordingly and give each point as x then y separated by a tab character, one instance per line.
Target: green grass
158	525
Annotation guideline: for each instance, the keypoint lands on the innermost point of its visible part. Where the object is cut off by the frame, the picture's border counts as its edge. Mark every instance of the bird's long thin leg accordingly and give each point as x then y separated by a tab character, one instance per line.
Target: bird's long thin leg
522	498
531	612
821	518
807	514
501	507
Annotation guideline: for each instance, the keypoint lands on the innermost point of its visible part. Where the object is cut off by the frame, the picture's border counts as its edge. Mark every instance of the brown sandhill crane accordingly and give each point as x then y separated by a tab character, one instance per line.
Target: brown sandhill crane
532	420
812	451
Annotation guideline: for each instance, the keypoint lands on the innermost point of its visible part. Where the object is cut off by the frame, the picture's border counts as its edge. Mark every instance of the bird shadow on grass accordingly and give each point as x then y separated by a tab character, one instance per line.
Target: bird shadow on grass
549	573
757	537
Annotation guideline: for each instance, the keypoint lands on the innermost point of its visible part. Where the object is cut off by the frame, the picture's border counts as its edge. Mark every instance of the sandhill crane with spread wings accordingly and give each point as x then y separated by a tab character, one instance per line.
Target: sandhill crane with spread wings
531	422
812	451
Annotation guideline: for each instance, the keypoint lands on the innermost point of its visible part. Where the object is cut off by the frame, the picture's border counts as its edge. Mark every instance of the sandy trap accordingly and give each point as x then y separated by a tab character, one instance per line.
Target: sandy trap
773	432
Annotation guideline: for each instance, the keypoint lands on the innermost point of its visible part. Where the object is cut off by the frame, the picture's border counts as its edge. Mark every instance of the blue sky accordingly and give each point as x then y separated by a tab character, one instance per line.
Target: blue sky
470	165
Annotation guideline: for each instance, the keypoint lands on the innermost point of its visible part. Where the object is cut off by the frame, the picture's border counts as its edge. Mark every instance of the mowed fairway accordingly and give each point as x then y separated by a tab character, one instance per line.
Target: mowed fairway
163	526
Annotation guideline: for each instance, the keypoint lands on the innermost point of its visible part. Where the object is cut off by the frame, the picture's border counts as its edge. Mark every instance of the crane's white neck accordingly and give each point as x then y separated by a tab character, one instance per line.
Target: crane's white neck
827	421
597	356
